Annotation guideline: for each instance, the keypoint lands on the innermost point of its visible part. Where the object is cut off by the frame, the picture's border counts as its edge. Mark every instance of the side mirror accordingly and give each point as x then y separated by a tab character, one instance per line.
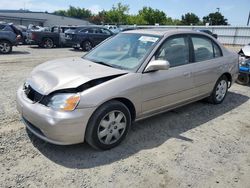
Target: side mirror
156	65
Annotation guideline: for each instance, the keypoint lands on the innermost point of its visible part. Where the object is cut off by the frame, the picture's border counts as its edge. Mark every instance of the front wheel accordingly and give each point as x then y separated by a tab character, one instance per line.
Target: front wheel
5	47
108	126
220	91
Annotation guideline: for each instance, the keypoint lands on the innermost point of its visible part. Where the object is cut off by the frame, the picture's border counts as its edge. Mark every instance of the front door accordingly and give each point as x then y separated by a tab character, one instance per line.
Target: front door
166	88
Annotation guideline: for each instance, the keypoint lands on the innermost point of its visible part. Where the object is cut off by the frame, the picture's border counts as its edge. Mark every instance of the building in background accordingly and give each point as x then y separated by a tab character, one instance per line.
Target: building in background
44	19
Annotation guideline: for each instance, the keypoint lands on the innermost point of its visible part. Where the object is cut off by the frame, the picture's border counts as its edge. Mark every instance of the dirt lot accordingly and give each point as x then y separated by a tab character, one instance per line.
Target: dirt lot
199	145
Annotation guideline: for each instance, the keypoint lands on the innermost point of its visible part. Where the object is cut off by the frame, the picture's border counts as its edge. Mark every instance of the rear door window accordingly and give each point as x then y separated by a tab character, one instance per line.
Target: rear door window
98	31
203	48
217	50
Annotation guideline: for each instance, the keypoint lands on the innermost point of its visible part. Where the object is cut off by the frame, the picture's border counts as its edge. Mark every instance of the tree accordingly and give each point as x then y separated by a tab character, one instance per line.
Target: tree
61	12
100	18
118	14
75	12
136	19
152	16
215	19
190	19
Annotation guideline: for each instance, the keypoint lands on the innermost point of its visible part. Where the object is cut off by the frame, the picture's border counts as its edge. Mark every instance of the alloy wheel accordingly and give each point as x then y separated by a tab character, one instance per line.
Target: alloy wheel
48	43
5	47
112	127
221	90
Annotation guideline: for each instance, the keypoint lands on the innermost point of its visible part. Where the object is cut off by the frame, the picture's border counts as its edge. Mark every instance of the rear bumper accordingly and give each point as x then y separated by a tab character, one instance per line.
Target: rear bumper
57	127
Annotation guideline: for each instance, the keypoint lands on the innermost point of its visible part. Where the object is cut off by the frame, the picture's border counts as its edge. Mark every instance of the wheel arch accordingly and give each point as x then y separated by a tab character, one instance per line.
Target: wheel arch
128	103
86	39
229	78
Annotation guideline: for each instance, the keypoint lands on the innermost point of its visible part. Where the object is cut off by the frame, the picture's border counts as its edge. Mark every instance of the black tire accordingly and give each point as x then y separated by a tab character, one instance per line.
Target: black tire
76	48
94	127
213	98
243	79
47	43
86	46
5	47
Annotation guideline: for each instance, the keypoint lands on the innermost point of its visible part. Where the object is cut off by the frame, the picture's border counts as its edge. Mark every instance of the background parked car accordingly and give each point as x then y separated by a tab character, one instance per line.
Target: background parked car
244	76
113	28
49	39
209	32
23	29
9	37
87	37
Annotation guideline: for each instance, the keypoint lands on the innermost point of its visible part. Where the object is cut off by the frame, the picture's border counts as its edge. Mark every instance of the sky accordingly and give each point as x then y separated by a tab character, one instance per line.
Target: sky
236	11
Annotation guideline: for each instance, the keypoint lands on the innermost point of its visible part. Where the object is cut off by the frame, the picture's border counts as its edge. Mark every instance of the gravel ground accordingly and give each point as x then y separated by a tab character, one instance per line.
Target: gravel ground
198	145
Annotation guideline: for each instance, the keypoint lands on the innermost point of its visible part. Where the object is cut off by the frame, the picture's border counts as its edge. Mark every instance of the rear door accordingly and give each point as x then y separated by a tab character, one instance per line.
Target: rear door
101	34
207	63
166	88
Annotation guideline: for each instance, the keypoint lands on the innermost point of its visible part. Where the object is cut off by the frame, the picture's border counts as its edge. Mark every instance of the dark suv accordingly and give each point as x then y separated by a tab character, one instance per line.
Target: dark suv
9	37
87	37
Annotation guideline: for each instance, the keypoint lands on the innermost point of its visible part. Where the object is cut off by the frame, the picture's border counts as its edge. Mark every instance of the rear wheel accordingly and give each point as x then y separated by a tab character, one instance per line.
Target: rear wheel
48	43
220	91
5	47
243	79
108	126
86	46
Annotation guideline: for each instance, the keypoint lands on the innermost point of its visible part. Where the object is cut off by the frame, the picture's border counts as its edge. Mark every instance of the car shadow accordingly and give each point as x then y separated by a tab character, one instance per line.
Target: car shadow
38	47
18	53
76	50
165	126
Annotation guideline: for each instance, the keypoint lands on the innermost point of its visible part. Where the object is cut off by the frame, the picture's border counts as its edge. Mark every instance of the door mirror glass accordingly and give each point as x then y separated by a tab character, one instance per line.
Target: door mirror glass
156	65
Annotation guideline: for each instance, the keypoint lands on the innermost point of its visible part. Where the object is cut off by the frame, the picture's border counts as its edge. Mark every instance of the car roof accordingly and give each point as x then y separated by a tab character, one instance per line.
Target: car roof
163	32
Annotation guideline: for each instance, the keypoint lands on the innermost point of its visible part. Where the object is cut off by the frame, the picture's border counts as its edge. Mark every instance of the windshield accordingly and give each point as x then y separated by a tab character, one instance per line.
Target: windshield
124	51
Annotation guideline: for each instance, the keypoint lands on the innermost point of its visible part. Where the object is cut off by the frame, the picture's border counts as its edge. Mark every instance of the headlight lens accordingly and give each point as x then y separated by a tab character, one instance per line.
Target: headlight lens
66	101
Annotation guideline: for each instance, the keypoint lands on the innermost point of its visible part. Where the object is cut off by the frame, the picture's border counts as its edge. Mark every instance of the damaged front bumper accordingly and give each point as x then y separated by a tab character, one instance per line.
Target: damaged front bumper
57	127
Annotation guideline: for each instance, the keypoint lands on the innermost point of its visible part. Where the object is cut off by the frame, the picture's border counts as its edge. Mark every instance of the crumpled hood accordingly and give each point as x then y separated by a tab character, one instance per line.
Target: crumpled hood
67	73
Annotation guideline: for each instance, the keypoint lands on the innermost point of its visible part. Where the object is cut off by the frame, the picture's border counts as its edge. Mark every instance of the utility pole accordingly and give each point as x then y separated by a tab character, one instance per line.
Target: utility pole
248	20
218	9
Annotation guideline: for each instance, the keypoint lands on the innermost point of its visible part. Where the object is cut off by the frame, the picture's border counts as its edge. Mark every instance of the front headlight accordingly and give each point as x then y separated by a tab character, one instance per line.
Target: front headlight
64	101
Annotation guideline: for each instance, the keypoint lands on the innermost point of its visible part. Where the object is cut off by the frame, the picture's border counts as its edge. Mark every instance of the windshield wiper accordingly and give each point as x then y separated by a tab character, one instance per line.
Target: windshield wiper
102	63
107	64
